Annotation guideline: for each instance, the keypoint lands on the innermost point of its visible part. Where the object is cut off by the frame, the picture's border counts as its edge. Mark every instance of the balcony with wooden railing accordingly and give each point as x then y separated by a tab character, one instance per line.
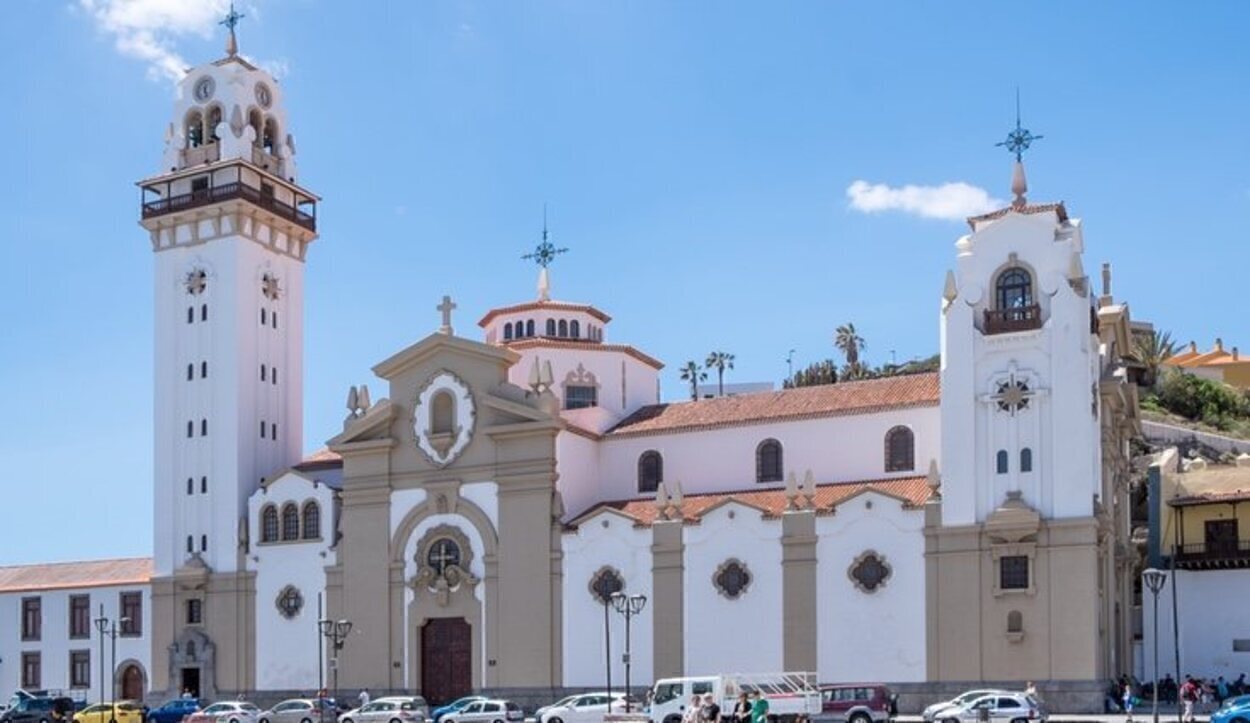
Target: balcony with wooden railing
1016	318
159	200
1224	555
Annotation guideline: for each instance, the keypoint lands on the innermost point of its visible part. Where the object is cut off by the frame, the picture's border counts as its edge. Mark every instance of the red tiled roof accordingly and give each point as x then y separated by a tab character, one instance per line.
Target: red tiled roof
1027	209
321	459
88	573
913	491
549	343
544	306
1206	498
830	400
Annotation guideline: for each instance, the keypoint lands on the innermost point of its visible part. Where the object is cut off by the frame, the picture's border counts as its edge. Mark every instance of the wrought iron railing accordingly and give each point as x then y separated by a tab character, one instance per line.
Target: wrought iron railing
1016	318
1214	554
227	192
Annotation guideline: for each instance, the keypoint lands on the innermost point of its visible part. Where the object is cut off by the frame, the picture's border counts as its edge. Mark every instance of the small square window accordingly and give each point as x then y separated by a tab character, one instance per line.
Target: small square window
1013	572
195	612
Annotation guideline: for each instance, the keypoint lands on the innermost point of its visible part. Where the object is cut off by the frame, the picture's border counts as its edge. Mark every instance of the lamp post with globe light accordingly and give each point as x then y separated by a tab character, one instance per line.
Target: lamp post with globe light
1154	580
629	606
336	631
110	628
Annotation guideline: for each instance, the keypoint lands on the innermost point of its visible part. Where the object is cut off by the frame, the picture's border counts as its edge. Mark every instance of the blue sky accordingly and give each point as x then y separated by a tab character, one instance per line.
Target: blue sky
695	157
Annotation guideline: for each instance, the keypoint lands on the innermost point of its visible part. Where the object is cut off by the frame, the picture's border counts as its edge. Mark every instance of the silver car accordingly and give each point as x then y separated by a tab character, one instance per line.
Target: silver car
392	709
297	710
487	711
995	708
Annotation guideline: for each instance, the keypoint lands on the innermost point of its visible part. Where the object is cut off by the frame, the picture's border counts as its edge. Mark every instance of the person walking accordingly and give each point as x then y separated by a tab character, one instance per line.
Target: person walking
694	710
742	709
759	708
710	711
1189	696
363	697
1126	701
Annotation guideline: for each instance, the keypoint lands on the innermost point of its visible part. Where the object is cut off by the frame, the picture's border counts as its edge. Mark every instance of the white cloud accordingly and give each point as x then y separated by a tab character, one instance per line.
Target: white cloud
949	201
148	29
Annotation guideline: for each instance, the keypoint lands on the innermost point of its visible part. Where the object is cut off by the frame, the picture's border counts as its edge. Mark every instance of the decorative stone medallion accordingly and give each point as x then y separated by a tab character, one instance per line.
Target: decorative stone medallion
443	558
289	602
603	583
732	578
869	571
204	89
442	446
263	95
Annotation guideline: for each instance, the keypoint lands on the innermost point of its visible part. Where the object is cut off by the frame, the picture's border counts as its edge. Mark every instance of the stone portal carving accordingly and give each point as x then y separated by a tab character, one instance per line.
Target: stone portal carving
443	559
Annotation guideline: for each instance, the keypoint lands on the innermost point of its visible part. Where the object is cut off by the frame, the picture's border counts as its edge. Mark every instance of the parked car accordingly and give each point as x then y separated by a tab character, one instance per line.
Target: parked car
997	708
583	708
229	711
454	706
486	711
538	714
958	701
173	711
122	711
857	703
295	710
391	709
36	709
1234	710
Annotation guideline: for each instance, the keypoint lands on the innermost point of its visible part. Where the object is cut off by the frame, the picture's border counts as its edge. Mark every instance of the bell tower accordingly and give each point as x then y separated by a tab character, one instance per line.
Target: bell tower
230	226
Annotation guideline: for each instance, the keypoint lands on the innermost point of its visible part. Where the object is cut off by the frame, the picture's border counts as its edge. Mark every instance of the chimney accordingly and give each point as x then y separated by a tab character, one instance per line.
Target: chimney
1219	344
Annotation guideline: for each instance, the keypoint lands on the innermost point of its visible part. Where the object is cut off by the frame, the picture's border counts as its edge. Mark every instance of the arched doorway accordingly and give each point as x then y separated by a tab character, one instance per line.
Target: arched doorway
446	659
132	682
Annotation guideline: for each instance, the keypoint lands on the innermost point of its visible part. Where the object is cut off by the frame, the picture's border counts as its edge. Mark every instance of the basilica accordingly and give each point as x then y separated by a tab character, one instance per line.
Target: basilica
490	488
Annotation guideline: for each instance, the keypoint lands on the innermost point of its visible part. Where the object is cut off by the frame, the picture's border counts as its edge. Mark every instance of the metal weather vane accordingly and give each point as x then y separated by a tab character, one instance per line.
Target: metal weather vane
1020	138
545	252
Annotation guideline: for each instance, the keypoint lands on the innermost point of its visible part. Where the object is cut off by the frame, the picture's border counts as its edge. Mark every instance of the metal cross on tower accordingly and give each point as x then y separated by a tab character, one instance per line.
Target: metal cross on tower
1019	139
230	21
545	252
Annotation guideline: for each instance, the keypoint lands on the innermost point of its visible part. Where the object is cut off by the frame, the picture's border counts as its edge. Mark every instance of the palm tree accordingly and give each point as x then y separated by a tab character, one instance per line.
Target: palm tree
693	373
850	343
1153	350
720	361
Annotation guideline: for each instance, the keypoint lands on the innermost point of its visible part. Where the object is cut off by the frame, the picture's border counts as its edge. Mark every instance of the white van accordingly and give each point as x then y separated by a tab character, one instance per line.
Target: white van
789	695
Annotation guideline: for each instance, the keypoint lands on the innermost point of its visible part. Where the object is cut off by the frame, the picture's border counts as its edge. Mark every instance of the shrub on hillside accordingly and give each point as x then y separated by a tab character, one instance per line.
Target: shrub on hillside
1204	400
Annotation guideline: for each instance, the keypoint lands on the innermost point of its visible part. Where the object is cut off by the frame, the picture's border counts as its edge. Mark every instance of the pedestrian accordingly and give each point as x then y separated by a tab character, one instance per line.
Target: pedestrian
1189	696
1126	701
1030	690
363	697
694	710
742	709
1221	690
186	693
710	711
759	708
1239	685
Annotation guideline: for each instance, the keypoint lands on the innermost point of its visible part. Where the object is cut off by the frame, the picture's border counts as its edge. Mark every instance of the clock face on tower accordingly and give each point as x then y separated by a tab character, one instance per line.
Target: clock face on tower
263	95
204	88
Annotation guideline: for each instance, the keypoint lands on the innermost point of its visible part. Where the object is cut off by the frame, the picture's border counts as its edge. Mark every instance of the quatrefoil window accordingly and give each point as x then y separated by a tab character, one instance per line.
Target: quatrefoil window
196	281
606	582
290	602
269	287
1013	395
869	571
732	579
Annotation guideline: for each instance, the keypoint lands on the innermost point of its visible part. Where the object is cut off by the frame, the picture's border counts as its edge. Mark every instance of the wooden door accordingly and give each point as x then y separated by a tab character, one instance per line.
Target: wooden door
446	659
132	683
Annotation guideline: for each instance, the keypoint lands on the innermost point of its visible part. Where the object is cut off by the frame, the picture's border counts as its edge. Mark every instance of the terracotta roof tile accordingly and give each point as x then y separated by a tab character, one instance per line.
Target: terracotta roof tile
830	400
88	573
321	459
913	491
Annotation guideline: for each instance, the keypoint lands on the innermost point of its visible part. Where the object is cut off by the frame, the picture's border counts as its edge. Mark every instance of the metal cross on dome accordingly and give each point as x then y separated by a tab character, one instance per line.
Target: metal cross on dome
545	252
1019	139
232	19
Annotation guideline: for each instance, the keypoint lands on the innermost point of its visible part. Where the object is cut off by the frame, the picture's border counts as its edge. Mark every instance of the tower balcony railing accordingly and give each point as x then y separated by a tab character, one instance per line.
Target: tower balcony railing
1016	318
1213	555
302	213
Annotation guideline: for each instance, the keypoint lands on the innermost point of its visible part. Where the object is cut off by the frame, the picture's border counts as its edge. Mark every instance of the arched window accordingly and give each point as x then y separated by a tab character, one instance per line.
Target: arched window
1000	462
312	521
190	543
290	522
768	461
190	428
195	129
442	413
190	485
203	427
564	328
529	328
269	524
203	370
650	471
214	118
1026	460
190	372
575	329
204	485
1015	622
254	120
203	312
203	543
1014	289
269	139
507	331
900	450
551	327
190	314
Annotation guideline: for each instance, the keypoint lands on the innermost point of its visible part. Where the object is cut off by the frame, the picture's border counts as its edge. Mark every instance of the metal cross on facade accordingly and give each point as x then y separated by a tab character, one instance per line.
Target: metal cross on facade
446	308
545	252
1019	139
444	553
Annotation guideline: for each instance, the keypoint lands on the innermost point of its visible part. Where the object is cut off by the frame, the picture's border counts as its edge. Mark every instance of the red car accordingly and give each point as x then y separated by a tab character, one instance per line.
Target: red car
857	703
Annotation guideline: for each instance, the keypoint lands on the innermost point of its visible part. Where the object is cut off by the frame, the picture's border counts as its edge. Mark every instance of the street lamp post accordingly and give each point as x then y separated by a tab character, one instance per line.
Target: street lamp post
607	647
336	631
1154	580
629	606
112	630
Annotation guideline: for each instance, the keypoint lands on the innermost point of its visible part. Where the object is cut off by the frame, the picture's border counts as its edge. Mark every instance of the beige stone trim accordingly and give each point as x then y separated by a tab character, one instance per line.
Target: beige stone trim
668	595
799	599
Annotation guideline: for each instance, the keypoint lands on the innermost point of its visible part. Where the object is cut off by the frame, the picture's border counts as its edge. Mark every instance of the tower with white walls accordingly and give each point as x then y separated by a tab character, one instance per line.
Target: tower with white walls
230	226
